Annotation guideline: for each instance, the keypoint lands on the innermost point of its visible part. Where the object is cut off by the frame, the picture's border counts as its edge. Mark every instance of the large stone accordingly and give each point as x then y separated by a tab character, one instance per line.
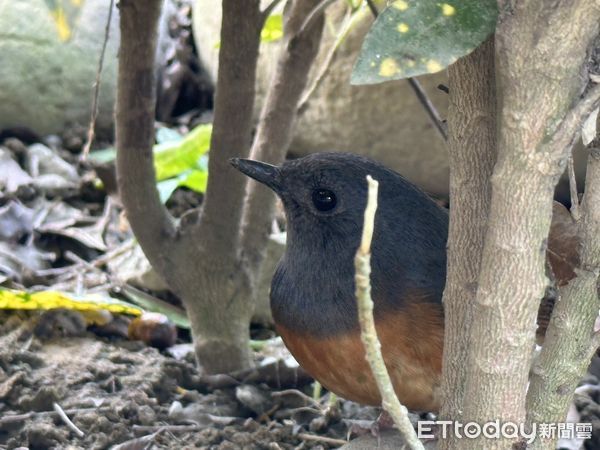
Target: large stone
46	82
47	76
382	121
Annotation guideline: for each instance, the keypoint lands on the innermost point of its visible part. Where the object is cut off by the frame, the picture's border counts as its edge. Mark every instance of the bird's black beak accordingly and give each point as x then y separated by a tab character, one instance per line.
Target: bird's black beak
262	172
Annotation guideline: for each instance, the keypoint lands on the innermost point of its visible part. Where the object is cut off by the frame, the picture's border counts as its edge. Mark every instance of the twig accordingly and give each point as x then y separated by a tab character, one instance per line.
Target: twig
299	409
15	418
269	8
169	428
63	416
104	219
563	137
94	114
573	188
218	420
362	264
373	8
430	109
313	15
110	255
325	439
298	393
348	23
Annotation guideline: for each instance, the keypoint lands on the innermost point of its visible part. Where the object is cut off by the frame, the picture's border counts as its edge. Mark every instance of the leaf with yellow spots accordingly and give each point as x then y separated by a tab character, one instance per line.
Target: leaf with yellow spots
415	37
65	14
13	299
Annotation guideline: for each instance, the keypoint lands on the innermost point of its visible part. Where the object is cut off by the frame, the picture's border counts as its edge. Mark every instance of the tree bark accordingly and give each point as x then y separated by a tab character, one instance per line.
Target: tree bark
135	130
472	154
571	339
232	127
540	52
274	133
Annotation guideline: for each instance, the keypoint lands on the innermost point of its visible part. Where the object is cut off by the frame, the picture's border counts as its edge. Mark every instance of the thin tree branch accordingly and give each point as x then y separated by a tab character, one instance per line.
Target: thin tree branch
94	113
430	109
569	127
269	9
348	22
571	338
362	265
232	129
313	15
325	439
16	418
135	113
275	128
373	8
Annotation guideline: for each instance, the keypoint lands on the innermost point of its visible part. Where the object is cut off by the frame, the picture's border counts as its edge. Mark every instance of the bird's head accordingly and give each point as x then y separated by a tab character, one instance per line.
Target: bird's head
324	194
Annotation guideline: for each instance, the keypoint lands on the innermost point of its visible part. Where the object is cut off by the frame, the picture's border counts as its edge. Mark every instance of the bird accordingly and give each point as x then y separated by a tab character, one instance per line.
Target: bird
312	293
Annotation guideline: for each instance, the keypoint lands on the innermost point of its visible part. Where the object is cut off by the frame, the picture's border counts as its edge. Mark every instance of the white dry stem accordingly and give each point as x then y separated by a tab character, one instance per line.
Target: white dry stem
362	264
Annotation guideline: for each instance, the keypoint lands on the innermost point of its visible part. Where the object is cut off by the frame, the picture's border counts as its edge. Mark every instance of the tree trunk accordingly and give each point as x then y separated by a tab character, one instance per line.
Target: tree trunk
540	52
200	259
571	339
472	152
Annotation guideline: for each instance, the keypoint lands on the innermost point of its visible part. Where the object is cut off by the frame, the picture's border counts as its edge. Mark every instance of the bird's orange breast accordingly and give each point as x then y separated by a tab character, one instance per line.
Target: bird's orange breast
411	341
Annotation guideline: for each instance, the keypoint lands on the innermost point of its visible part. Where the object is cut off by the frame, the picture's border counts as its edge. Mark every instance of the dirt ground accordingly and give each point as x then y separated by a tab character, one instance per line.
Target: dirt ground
123	394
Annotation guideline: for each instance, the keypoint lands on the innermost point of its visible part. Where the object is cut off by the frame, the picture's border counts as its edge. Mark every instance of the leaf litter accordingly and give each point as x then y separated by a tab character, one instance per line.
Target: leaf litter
69	241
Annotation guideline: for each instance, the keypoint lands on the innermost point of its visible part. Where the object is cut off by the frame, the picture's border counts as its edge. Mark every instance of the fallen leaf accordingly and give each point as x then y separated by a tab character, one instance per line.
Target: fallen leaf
12	176
563	245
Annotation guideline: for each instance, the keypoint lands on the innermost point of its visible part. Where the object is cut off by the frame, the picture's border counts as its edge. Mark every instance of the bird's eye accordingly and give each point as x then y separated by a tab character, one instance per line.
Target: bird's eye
324	199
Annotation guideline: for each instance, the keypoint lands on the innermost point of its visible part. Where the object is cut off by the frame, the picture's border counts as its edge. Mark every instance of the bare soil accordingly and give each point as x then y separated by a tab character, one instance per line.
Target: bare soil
124	395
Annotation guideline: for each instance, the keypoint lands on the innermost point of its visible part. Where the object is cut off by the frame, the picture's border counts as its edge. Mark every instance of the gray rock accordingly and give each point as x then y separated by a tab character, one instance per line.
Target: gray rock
383	121
46	83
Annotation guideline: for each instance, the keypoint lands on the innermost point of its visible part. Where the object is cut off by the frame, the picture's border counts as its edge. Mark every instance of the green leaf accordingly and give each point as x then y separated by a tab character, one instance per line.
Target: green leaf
105	155
177	161
273	28
166	188
165	134
414	37
196	180
173	158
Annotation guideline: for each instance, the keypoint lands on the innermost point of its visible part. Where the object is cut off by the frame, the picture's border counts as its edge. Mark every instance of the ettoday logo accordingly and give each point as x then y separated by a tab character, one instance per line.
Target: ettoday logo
429	429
